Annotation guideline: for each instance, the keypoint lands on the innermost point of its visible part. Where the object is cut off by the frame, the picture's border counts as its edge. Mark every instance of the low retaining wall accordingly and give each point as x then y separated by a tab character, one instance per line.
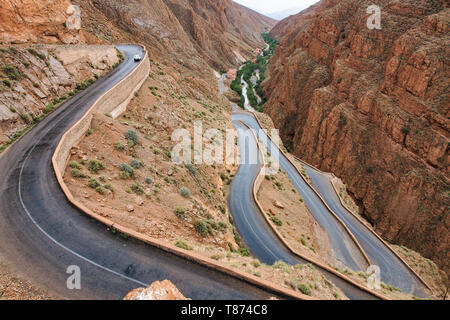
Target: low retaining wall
112	101
257	184
115	101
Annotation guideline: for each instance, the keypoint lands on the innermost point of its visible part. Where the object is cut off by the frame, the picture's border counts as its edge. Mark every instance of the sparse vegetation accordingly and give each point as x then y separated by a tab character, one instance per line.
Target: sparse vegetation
132	137
95	166
185	192
181	243
201	227
126	171
277	221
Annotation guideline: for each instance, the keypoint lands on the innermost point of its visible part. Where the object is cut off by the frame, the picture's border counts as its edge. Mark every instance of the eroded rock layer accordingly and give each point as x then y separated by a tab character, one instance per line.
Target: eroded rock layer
372	106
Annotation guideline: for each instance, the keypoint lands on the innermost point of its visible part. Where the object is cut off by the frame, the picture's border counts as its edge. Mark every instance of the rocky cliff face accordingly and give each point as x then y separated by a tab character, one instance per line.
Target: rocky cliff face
372	106
35	79
217	31
37	22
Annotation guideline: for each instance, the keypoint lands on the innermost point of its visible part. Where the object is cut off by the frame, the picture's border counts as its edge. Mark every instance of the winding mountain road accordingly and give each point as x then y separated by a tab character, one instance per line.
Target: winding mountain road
42	234
393	271
257	234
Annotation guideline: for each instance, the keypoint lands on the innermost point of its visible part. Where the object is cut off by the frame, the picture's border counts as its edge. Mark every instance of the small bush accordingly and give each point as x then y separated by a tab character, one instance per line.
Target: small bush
304	289
109	187
183	245
95	166
36	85
137	188
100	190
244	252
76	173
191	169
277	221
12	72
135	164
89	132
148	180
132	136
180	212
7	83
93	183
49	108
185	192
119	146
201	227
125	168
75	165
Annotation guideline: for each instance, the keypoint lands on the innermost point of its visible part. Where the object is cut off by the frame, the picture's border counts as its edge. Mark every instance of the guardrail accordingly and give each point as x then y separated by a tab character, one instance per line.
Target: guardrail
256	186
74	134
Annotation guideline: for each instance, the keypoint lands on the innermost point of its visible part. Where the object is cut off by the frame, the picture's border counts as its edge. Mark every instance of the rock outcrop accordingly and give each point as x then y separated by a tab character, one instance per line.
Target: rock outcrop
34	21
35	79
164	290
372	106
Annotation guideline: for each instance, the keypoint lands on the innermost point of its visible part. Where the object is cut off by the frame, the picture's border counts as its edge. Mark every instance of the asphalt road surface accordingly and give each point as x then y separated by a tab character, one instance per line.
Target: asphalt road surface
256	233
392	270
42	234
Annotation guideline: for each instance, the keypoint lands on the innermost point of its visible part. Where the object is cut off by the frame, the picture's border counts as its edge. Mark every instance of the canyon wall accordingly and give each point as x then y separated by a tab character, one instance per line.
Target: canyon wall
216	31
372	106
34	21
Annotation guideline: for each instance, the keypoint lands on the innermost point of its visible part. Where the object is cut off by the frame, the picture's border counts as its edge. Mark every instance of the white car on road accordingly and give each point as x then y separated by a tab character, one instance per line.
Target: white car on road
137	57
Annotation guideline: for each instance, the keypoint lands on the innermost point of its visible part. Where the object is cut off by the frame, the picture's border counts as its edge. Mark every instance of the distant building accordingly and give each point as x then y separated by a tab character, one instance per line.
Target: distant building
231	74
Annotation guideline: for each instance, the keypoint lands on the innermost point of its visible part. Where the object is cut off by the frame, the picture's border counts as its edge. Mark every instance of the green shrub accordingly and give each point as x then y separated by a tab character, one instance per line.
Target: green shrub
76	173
109	187
135	164
201	227
93	183
7	83
148	180
305	289
180	212
125	168
95	166
49	108
191	169
119	146
277	221
183	245
223	225
244	252
132	136
12	72
100	190
36	85
137	188
75	165
26	64
185	192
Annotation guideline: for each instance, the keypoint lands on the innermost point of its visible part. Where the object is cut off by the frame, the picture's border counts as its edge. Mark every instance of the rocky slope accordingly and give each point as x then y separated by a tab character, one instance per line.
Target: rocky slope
372	106
217	31
35	79
37	22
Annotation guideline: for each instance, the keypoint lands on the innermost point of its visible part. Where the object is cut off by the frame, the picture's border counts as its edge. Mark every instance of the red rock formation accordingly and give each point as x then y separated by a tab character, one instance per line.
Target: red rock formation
164	290
36	22
372	106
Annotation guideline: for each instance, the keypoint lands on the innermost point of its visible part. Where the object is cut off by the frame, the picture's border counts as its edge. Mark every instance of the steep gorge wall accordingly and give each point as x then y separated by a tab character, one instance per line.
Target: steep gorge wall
372	106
